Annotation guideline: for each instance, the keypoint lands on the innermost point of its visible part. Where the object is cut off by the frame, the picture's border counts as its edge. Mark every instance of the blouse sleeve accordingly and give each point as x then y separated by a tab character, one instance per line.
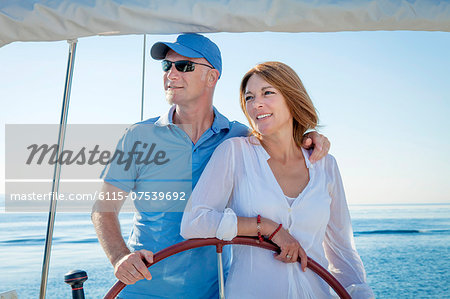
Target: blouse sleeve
344	262
206	215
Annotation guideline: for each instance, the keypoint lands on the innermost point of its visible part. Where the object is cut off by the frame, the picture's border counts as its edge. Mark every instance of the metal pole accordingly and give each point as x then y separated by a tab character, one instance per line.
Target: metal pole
57	170
220	275
143	77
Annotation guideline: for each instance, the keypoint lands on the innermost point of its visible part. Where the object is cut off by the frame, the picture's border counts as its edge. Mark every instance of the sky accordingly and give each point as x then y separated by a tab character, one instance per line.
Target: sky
383	98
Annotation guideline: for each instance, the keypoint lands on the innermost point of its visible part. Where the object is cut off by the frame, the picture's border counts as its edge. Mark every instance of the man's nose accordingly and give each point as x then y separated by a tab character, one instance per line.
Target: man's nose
173	73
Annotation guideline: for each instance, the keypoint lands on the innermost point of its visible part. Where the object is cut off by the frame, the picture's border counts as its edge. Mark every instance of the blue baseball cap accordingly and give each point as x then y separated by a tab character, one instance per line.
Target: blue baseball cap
191	45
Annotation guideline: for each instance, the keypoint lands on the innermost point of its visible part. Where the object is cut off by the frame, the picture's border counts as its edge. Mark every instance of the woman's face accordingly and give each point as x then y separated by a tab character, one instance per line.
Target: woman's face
266	107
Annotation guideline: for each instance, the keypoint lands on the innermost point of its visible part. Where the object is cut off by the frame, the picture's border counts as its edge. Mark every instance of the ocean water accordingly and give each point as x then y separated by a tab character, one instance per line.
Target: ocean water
405	250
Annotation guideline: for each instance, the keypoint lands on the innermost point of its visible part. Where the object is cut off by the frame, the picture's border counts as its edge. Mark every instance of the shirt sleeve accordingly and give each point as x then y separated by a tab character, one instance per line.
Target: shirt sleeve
121	170
344	261
206	215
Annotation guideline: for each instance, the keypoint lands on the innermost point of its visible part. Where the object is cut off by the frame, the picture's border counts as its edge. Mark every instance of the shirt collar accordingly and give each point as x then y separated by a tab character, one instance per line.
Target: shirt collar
166	119
266	156
306	154
220	122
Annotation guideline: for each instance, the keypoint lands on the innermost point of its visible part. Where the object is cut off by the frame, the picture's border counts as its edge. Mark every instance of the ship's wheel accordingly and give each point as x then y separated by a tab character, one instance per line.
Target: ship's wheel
250	241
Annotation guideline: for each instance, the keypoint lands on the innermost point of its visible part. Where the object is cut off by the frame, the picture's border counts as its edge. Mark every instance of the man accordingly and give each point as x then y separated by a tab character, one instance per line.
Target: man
192	66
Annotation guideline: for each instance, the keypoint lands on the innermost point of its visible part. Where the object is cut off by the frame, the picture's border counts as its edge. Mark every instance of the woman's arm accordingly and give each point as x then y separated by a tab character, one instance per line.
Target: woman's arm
339	245
206	208
206	215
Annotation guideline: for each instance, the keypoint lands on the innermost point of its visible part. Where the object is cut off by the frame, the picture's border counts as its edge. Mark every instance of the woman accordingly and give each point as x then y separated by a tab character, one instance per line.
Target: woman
264	185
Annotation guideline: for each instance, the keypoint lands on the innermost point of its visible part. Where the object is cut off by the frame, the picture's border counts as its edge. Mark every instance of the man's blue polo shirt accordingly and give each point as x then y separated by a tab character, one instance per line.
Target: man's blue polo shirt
193	273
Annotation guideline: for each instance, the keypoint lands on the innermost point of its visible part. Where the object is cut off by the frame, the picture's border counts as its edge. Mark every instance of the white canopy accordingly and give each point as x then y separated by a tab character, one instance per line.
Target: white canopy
49	20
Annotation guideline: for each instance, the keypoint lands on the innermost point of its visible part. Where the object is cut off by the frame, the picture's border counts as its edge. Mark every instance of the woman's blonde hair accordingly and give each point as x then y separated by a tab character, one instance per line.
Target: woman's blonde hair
284	79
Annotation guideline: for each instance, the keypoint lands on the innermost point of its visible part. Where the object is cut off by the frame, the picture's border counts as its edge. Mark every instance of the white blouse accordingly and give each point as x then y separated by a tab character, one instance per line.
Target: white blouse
238	181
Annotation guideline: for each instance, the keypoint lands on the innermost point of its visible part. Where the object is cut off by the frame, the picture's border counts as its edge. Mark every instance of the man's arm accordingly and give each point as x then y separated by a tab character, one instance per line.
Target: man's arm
128	266
319	143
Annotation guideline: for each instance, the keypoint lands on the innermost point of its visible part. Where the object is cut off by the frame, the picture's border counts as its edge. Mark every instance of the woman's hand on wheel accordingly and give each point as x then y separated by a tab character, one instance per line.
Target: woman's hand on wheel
291	249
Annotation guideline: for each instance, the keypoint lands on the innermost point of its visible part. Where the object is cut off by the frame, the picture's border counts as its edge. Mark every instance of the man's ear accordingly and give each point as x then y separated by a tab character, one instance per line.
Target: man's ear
213	76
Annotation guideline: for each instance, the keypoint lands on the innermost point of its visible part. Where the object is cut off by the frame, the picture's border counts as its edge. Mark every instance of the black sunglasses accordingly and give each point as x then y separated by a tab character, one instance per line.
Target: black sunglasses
181	65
